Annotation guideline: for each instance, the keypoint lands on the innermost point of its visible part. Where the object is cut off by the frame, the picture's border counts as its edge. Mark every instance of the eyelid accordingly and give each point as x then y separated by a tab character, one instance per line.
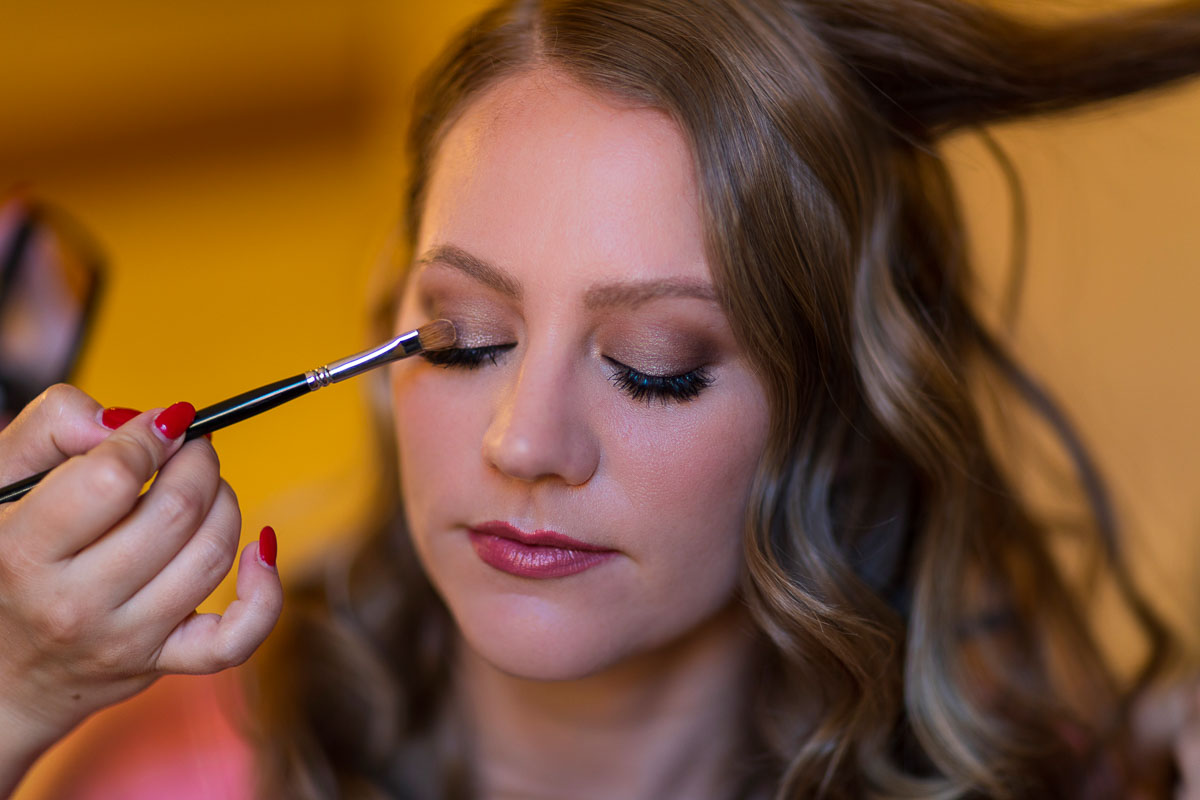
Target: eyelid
649	374
469	311
622	365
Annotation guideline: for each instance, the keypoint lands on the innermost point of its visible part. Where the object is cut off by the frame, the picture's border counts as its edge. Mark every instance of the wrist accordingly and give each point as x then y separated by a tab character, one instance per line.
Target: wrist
23	739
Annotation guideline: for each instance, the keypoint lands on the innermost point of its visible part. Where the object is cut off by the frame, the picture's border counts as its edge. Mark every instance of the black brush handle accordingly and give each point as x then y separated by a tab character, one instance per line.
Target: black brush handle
214	417
15	491
247	404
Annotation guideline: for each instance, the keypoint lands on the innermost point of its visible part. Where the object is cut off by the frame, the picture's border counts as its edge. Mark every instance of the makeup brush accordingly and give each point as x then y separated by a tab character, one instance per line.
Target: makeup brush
436	335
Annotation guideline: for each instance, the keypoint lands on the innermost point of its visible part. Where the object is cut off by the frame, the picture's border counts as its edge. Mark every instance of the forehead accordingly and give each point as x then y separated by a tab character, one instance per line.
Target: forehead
558	182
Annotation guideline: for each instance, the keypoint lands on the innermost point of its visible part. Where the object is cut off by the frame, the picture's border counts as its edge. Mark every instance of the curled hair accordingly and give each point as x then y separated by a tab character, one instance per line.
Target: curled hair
917	635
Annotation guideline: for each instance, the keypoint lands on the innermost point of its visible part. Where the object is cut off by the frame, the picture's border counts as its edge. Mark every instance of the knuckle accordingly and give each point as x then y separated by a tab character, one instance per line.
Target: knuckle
112	658
110	475
51	406
229	651
202	460
18	565
208	474
215	558
228	515
56	398
209	452
140	450
178	506
229	501
60	623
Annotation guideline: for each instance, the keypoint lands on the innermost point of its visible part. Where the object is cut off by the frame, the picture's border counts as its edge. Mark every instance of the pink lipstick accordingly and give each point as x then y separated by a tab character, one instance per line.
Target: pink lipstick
541	554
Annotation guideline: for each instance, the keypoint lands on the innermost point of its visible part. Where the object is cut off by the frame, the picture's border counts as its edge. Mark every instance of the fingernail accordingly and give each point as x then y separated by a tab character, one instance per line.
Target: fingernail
208	436
115	417
173	421
267	546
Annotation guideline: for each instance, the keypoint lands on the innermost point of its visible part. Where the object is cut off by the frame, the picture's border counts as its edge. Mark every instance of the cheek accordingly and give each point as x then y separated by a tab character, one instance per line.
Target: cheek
437	445
687	477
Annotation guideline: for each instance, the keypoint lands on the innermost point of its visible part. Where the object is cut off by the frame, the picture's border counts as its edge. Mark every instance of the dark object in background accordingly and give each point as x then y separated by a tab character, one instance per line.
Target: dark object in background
51	271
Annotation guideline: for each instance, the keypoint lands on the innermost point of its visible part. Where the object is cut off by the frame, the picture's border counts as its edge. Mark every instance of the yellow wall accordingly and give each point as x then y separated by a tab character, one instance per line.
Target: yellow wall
240	161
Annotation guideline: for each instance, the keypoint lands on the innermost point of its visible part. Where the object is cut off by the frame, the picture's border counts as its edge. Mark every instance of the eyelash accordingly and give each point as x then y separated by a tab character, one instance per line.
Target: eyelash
638	385
667	388
466	357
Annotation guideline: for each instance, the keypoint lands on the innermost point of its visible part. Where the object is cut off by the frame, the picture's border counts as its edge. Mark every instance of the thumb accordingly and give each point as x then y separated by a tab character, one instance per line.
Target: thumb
61	422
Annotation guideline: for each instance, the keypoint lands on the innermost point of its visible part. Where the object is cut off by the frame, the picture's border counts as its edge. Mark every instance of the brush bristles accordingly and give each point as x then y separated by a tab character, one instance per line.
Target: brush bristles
437	335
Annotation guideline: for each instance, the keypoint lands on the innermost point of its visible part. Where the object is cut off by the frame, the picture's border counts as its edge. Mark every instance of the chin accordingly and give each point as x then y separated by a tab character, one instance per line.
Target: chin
529	638
571	628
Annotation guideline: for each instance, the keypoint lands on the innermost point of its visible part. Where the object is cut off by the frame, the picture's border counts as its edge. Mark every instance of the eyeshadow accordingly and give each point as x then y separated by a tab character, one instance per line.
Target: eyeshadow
666	337
478	321
658	349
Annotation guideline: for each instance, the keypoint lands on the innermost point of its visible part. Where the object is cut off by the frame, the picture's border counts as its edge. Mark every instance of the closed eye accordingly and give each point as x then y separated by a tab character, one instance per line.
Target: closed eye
639	386
667	388
467	357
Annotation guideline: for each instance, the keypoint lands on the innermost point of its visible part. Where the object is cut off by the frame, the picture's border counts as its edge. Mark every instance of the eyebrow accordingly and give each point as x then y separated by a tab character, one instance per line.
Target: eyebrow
488	274
600	296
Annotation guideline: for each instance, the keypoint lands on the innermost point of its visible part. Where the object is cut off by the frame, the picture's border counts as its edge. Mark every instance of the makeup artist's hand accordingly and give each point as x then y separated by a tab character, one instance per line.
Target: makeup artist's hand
99	582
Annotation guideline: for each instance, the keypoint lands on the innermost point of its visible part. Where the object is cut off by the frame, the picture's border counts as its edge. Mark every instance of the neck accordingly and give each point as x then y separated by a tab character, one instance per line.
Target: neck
665	724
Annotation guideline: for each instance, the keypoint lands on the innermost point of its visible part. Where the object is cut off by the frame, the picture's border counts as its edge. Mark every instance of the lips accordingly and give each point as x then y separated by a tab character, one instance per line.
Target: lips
541	554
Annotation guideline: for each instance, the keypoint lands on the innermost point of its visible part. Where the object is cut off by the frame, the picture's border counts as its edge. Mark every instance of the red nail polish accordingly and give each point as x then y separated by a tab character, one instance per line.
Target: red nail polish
267	546
172	422
115	417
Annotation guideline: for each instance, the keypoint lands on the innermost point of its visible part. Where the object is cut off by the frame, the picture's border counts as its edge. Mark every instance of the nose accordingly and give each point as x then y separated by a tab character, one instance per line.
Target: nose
540	429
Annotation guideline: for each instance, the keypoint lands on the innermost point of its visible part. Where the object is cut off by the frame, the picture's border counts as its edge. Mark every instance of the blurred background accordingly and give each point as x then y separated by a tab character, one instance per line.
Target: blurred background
240	164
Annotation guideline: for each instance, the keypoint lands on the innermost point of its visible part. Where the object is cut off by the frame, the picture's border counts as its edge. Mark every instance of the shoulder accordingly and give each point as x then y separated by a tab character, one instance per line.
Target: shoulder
182	738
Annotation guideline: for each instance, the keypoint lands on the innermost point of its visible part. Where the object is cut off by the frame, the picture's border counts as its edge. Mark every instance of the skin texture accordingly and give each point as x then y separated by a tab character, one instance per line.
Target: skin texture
579	203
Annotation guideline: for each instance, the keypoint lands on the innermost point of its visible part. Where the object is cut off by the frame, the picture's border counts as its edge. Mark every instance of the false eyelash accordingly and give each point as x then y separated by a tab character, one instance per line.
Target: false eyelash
667	388
466	357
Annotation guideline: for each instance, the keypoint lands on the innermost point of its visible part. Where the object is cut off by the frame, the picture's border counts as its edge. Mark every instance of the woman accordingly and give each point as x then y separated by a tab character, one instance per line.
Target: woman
702	505
813	576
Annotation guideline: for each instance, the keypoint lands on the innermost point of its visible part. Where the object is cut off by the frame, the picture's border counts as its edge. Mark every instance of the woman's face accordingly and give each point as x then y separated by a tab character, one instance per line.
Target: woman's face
598	392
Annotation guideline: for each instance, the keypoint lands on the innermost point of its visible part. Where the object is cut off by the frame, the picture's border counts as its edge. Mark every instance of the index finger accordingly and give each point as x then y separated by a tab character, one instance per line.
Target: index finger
86	496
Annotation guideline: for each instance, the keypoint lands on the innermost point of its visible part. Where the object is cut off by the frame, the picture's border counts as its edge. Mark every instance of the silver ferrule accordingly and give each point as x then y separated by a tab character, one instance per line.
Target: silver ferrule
317	378
348	367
